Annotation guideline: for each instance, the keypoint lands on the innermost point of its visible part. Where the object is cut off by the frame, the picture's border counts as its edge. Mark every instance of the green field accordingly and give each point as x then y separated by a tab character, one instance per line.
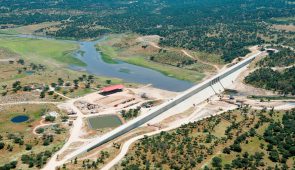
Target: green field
170	71
45	51
106	121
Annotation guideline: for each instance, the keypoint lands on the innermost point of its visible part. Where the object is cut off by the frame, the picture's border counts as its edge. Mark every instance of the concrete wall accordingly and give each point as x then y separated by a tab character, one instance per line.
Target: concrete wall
198	93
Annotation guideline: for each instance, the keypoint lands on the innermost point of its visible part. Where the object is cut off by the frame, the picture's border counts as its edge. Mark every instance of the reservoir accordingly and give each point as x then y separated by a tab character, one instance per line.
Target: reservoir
122	70
125	71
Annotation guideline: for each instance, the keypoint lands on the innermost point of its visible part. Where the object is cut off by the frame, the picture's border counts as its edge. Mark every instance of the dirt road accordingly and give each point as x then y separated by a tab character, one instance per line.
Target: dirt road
28	102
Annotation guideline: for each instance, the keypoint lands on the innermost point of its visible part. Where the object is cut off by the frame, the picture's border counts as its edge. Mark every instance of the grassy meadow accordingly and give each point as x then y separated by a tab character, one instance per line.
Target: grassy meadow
42	51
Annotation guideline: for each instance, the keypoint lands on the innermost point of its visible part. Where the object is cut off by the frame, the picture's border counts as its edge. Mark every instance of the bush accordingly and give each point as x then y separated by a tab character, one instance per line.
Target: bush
40	130
2	145
64	118
274	156
236	147
57	88
226	150
25	159
42	94
216	162
50	118
11	165
4	93
28	147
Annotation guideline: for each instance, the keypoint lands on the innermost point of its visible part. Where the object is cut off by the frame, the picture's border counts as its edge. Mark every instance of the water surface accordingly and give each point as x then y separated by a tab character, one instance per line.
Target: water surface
20	119
125	71
104	121
128	72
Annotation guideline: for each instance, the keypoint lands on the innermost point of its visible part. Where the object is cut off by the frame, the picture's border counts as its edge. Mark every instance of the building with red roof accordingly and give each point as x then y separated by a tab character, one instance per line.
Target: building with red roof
112	89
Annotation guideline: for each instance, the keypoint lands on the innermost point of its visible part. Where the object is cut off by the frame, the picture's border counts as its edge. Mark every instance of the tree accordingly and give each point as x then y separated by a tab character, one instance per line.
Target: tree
90	77
42	94
68	84
87	85
236	147
252	132
4	86
8	166
28	147
64	166
53	84
227	167
27	88
50	118
13	164
4	93
60	81
64	92
25	159
21	61
2	145
292	150
269	147
274	156
76	82
39	130
226	150
216	162
55	96
16	84
46	142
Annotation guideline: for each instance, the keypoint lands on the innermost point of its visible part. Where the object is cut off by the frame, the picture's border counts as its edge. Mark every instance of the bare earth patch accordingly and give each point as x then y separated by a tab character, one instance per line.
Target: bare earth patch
290	28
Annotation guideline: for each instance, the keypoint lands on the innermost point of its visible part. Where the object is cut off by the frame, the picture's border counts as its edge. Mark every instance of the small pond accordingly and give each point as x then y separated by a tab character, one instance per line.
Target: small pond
20	119
30	72
105	121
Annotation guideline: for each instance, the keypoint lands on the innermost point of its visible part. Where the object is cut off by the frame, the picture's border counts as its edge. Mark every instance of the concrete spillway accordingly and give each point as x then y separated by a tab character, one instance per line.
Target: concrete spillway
198	93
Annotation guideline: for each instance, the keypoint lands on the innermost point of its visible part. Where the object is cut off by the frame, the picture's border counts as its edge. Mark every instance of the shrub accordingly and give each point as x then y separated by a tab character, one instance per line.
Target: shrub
2	145
40	130
50	118
28	147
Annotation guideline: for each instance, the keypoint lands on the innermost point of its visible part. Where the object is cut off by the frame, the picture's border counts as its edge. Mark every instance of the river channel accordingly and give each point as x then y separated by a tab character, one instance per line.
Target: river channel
128	72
